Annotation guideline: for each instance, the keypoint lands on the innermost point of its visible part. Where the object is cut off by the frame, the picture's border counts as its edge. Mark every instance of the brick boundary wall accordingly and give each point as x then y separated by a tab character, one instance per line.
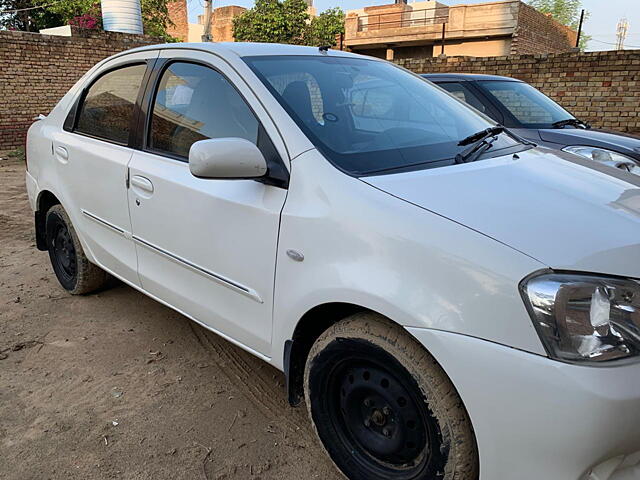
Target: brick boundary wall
37	70
602	88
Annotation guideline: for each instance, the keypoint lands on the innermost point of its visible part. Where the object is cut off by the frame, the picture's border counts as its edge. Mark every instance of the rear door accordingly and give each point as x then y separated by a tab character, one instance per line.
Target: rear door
207	247
92	152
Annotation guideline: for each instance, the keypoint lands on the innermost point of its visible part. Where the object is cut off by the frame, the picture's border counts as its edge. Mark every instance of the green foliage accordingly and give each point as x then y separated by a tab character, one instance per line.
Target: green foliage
155	15
287	21
17	155
567	12
69	9
323	29
272	21
29	20
155	19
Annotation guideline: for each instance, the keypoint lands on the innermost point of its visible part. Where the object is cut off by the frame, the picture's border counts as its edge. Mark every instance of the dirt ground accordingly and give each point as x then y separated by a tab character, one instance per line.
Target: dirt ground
115	385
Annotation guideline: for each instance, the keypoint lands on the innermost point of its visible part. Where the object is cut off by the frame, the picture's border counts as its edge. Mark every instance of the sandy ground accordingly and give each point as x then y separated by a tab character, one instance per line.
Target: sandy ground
115	385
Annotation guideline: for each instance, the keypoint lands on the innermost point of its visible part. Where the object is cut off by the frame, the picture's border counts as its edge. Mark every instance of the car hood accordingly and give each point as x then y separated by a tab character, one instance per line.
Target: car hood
567	212
618	142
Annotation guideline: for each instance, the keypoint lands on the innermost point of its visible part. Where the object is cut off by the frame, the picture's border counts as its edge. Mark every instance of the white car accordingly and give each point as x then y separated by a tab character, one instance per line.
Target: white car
451	301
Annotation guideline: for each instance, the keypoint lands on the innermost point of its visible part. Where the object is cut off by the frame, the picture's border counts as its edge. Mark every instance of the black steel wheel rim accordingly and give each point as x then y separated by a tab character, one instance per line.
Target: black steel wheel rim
63	252
378	414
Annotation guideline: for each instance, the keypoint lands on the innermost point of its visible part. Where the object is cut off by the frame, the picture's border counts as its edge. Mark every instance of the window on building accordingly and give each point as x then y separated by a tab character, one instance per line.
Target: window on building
107	109
194	103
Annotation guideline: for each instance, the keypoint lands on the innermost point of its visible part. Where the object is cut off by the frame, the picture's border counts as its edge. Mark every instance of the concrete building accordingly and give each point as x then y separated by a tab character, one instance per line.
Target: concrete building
402	30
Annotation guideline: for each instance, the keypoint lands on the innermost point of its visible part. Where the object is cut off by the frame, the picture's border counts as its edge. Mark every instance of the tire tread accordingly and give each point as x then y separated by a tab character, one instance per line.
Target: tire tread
89	277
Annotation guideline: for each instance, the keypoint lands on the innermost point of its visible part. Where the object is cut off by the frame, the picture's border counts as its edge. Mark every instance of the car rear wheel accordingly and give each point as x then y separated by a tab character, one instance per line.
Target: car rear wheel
71	266
383	408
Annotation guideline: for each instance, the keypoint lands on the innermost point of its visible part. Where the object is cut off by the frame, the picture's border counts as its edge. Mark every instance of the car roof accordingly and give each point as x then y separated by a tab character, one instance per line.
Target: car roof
242	49
469	77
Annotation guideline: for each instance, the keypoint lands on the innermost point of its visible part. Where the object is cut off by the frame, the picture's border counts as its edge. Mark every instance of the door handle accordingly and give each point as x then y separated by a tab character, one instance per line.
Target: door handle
142	183
62	154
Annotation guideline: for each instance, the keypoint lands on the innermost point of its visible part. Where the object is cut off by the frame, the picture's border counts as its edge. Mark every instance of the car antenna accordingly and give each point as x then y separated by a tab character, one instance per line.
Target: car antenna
324	48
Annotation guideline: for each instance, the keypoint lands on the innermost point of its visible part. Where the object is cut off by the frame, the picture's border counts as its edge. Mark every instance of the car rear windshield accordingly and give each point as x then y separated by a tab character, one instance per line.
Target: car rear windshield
368	116
529	107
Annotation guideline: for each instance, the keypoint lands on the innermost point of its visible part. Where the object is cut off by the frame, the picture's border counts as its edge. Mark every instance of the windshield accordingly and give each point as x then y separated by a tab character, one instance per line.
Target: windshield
529	107
368	116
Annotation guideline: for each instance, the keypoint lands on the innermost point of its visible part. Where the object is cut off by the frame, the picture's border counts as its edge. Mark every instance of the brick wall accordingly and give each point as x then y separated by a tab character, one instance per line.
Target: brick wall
37	70
178	15
222	22
539	33
602	88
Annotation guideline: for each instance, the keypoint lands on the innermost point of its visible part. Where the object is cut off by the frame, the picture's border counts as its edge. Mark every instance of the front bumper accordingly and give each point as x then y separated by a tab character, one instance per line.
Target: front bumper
535	418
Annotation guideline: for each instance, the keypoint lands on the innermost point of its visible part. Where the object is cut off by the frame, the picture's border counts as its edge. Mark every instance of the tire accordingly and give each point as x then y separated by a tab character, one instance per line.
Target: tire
72	268
383	408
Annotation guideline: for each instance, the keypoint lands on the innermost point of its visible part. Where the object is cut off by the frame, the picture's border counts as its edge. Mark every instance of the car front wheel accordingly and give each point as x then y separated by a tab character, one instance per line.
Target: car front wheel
70	264
383	408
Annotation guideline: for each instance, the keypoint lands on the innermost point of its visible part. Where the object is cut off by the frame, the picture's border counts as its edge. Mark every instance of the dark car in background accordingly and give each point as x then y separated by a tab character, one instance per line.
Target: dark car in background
529	113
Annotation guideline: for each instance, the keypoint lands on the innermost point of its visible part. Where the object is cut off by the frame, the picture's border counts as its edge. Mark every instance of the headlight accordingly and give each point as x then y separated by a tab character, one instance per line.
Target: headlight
585	318
608	157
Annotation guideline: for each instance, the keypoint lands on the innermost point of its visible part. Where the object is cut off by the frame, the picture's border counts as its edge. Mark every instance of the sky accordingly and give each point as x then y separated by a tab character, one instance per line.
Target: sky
601	25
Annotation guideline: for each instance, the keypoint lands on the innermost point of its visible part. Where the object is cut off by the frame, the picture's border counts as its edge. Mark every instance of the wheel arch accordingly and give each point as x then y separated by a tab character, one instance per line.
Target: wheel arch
310	326
46	199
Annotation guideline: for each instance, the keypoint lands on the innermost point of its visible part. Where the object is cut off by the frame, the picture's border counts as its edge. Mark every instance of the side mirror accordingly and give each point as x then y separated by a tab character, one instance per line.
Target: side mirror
226	158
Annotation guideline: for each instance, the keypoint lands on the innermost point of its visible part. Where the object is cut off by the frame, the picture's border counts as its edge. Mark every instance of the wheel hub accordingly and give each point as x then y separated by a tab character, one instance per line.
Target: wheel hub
64	251
380	415
378	418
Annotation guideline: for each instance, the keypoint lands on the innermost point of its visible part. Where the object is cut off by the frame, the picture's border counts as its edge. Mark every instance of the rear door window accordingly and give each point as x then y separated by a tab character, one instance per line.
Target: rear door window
108	106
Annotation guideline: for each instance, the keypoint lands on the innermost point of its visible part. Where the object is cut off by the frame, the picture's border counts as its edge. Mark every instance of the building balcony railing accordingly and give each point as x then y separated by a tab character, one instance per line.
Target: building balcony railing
412	18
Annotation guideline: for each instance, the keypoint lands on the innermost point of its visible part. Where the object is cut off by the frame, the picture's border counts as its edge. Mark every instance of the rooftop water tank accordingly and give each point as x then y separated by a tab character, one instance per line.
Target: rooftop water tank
122	16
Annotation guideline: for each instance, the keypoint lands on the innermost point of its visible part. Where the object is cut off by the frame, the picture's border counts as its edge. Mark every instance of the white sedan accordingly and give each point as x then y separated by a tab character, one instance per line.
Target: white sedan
451	301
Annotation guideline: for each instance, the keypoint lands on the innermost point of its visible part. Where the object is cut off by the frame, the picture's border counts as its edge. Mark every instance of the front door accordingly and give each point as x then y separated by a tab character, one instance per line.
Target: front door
206	247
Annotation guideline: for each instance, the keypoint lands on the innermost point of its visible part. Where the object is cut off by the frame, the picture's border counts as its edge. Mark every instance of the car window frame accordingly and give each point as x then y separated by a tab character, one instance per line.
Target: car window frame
160	68
71	120
277	172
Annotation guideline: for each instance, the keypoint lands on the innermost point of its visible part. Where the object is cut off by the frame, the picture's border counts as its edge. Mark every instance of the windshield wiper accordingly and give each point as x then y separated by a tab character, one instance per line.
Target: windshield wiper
481	135
472	153
480	142
570	121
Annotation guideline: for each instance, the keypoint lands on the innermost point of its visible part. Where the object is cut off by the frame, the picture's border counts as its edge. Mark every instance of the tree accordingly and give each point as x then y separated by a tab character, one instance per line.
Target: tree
82	13
567	12
26	18
323	29
287	21
272	21
155	19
